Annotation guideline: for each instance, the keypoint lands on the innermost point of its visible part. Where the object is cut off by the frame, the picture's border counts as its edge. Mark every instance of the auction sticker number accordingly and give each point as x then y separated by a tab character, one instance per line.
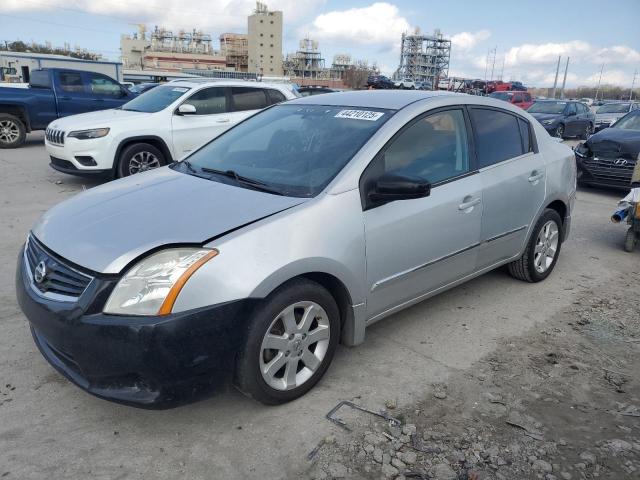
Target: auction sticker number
360	115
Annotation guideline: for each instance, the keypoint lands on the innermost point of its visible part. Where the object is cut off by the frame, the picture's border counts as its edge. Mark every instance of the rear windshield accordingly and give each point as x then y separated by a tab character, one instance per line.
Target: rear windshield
156	99
547	107
501	96
614	108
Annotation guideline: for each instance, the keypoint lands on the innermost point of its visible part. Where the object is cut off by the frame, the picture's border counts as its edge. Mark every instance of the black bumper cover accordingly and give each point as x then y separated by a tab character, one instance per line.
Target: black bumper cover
146	362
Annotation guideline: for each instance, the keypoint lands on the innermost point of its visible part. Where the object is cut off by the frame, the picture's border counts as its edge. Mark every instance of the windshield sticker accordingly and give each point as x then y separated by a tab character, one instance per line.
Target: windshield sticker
180	89
359	115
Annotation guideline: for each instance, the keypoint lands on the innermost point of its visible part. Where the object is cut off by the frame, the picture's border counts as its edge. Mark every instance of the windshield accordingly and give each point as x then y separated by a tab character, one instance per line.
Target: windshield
547	107
294	150
501	96
614	108
155	99
630	121
141	87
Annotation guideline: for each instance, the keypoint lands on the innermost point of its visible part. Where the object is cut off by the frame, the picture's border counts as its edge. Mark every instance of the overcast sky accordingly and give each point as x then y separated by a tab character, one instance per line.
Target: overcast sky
529	35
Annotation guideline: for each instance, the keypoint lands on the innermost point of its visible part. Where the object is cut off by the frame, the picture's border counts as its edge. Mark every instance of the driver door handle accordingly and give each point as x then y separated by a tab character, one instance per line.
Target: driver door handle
223	120
468	203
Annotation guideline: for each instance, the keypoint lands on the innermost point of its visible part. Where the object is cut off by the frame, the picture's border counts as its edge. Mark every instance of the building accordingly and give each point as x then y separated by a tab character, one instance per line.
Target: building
306	63
164	50
234	47
265	41
424	58
18	65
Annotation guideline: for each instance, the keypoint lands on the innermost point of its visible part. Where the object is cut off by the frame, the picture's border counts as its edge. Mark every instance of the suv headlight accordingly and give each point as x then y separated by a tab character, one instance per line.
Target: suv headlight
153	284
89	134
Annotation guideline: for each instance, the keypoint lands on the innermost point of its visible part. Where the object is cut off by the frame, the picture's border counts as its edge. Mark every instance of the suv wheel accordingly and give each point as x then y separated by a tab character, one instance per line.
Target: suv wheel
559	131
139	157
540	256
12	131
290	343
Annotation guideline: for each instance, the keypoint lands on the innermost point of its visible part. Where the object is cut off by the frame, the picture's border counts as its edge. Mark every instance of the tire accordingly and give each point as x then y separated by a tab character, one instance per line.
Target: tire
559	131
12	131
526	268
587	132
138	154
630	240
273	387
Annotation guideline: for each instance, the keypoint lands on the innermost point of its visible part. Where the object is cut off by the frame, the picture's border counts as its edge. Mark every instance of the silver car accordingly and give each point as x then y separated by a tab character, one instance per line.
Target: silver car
294	231
610	113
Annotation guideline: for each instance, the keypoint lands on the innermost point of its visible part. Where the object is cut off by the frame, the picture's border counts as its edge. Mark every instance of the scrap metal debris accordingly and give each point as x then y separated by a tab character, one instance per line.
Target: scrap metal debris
332	418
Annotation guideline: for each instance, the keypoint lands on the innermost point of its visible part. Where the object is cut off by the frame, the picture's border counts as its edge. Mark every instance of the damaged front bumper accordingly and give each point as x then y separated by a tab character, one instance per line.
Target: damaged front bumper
148	362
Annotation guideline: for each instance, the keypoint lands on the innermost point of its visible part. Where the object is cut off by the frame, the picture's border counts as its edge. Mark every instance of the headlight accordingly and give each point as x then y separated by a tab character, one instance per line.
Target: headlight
152	285
547	122
88	134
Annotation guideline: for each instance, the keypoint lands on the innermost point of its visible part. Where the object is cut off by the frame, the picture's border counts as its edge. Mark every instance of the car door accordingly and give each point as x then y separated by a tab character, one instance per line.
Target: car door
105	92
513	175
417	246
210	119
572	124
71	93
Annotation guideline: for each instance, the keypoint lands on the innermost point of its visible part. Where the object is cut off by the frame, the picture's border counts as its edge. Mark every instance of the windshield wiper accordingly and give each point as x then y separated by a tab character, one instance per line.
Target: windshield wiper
255	184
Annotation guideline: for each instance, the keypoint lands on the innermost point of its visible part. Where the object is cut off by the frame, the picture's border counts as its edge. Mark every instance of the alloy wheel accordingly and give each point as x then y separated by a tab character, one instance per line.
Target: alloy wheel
9	131
143	161
294	345
546	246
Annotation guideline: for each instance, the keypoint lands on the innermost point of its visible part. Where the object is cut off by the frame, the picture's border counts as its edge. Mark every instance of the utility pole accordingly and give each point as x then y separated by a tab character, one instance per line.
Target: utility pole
493	66
564	81
599	80
504	59
555	82
486	66
633	82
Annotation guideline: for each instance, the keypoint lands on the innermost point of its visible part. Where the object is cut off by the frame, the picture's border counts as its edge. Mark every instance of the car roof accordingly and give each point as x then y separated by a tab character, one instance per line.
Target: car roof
387	99
223	82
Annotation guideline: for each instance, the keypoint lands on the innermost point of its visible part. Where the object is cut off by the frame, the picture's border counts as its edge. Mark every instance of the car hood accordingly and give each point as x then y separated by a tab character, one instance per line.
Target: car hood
545	116
105	228
615	141
99	119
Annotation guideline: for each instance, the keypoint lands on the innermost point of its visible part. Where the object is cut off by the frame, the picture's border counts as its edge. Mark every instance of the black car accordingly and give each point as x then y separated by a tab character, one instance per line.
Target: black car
380	82
609	157
564	118
314	90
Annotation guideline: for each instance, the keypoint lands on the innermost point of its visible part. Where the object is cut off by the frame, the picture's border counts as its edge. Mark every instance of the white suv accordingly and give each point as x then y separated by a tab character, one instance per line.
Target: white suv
161	125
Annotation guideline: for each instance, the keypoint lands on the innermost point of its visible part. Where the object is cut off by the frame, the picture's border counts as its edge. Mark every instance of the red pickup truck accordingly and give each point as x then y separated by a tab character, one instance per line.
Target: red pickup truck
521	99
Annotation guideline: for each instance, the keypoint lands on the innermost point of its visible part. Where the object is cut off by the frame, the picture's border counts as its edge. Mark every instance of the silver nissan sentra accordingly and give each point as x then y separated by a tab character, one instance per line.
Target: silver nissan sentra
250	260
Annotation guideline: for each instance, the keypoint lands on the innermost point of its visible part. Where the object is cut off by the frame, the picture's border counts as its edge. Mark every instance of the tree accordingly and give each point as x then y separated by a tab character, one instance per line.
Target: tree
355	76
20	46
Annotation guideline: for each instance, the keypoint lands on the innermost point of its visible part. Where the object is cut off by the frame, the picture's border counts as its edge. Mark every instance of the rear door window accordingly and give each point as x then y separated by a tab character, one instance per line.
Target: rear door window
248	98
71	82
101	85
498	136
209	101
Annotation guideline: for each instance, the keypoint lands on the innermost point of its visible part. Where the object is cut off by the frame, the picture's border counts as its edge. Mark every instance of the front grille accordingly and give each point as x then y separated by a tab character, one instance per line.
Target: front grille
59	279
54	136
614	169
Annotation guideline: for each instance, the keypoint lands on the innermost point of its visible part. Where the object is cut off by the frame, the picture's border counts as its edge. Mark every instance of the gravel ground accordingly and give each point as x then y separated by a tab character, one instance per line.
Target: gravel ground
484	337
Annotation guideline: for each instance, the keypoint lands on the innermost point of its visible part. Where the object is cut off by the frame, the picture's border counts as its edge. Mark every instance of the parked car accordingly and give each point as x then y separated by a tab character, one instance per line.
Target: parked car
587	101
161	125
140	88
314	90
609	157
54	93
609	113
248	256
424	85
405	83
564	118
379	82
517	98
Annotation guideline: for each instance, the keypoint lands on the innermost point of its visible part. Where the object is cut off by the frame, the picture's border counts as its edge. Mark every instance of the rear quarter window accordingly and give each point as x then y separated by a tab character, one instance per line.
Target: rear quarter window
497	134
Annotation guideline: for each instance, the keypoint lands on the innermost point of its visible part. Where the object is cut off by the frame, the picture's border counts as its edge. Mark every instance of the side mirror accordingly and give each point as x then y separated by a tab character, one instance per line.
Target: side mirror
186	109
391	187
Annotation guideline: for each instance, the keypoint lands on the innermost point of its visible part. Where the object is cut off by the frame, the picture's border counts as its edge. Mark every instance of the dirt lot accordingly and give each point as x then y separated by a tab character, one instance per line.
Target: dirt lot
456	368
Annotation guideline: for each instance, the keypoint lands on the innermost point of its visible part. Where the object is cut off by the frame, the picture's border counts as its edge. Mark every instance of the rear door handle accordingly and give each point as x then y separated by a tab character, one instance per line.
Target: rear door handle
223	120
468	203
535	176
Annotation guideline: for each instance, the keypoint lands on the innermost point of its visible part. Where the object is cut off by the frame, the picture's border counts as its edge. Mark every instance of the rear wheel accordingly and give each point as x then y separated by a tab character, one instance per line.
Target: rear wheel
12	131
588	131
559	131
290	343
630	240
540	256
139	157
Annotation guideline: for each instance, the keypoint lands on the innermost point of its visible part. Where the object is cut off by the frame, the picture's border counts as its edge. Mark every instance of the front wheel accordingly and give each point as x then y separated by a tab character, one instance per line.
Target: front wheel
588	131
139	157
540	256
12	131
290	343
630	240
559	131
